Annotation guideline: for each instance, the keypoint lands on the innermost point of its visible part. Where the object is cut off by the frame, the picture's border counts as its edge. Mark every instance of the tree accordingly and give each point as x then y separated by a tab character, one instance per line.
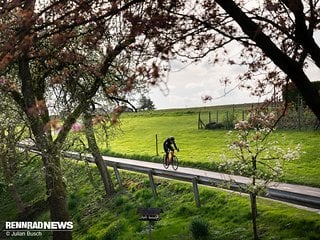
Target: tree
291	94
94	149
12	129
277	38
71	50
256	155
145	104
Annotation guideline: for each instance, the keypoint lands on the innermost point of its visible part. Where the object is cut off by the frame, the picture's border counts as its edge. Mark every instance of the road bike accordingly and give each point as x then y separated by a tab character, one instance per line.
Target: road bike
174	161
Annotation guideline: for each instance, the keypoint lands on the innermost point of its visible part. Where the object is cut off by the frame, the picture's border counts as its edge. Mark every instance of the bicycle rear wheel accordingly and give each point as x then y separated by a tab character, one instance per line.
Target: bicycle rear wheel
175	163
165	163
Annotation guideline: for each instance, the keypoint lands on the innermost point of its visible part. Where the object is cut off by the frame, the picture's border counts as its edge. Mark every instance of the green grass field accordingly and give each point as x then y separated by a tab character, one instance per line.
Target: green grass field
136	138
227	214
97	218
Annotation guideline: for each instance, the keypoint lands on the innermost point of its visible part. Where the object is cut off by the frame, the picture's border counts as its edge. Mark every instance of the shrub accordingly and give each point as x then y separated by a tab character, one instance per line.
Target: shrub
2	187
214	125
91	237
113	230
199	229
73	202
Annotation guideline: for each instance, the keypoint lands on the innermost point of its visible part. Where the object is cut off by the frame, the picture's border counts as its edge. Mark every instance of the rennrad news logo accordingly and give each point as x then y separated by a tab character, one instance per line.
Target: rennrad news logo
39	226
34	229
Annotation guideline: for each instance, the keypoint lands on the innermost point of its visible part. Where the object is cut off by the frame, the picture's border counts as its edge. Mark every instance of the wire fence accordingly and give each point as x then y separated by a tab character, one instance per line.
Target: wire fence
295	117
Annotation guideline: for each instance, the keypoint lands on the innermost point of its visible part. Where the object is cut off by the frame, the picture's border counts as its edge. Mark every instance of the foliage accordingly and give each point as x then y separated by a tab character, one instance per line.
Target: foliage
12	130
272	40
291	94
113	230
227	214
145	104
253	153
230	120
71	50
56	56
200	229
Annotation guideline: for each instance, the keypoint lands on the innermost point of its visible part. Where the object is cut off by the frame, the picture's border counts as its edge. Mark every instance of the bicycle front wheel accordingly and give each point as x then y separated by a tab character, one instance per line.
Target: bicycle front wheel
165	162
175	163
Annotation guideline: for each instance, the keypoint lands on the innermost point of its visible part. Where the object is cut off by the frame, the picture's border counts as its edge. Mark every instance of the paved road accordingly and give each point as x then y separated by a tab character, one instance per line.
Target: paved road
297	194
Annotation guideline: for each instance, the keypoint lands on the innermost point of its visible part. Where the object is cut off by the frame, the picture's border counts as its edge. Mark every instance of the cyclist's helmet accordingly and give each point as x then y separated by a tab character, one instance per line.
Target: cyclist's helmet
171	138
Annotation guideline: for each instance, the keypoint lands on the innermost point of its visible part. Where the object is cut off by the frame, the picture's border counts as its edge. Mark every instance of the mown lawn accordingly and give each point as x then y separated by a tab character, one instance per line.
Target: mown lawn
136	137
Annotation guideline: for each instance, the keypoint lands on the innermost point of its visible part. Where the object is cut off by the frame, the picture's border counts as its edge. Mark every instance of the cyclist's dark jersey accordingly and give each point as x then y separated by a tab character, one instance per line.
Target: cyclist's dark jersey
168	145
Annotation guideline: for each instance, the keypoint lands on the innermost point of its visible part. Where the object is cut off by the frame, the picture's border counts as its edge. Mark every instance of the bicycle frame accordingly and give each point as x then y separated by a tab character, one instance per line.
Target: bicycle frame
170	156
171	159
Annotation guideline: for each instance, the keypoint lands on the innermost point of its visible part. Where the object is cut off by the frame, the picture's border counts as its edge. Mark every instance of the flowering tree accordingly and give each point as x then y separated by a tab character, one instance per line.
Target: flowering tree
258	156
56	55
276	41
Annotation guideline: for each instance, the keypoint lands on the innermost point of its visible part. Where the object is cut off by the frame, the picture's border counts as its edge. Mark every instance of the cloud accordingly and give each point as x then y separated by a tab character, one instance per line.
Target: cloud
194	85
188	83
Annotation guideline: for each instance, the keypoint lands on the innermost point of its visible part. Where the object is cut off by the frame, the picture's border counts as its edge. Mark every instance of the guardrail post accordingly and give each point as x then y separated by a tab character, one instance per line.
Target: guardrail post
153	186
196	191
116	171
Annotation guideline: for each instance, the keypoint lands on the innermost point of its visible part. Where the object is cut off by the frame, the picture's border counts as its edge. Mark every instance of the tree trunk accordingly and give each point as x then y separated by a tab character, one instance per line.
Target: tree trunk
254	214
17	198
33	104
56	191
253	199
280	59
94	149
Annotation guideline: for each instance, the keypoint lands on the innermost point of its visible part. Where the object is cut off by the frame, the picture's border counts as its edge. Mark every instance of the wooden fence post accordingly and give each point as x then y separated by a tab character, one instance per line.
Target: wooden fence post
233	113
201	125
157	150
227	120
299	111
196	191
217	116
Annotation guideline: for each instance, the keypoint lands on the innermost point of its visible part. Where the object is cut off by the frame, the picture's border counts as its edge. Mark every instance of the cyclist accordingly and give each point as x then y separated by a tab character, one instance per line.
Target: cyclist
168	145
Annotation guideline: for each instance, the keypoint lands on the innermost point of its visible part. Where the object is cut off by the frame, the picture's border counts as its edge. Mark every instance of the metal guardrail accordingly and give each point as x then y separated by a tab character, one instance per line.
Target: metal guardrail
297	194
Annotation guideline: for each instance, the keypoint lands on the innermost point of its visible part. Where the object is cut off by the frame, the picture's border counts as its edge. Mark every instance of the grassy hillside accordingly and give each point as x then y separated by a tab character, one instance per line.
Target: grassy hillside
226	214
136	137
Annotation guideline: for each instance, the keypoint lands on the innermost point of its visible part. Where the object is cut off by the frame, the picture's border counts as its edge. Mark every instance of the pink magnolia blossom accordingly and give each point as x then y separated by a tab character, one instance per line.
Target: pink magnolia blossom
76	127
3	81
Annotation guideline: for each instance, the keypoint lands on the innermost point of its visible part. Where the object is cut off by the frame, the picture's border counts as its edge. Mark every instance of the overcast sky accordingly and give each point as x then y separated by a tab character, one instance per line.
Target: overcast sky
186	86
188	83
